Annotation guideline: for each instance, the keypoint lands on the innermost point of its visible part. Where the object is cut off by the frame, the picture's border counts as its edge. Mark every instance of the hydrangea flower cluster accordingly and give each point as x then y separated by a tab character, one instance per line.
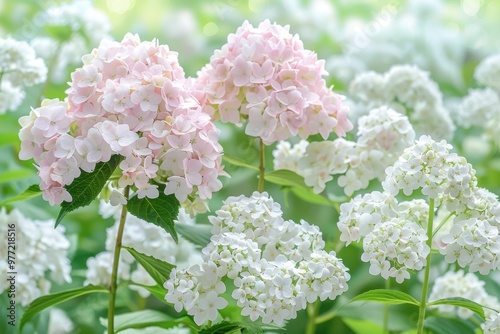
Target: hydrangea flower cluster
383	134
145	238
480	107
19	67
492	324
128	99
408	90
277	266
393	238
42	250
429	167
84	27
460	284
265	75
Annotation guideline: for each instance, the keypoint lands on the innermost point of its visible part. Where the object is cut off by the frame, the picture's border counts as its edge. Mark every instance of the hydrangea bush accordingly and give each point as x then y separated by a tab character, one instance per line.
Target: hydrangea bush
413	216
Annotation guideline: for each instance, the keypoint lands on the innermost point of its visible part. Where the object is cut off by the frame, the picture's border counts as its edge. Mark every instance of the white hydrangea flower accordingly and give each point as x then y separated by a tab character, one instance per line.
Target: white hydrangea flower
479	108
287	156
41	255
408	90
472	240
492	325
488	72
19	67
86	25
145	238
277	266
11	97
460	284
383	134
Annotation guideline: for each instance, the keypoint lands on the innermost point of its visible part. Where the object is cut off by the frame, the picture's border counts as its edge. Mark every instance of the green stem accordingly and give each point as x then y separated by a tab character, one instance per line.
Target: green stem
262	168
312	312
423	299
442	223
116	259
326	317
50	70
386	308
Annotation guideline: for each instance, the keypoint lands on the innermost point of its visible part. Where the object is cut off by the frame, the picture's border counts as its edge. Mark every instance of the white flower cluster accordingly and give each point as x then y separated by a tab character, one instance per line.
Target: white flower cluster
393	238
145	238
408	90
459	284
40	250
492	325
277	266
481	107
19	67
428	166
383	134
85	25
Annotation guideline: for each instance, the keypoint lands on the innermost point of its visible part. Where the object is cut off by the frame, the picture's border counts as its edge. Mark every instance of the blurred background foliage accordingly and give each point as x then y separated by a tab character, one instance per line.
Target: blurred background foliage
195	29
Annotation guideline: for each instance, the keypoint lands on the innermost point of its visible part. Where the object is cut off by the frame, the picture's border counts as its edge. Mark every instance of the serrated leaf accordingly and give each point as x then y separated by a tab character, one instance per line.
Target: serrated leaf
16	174
31	192
285	177
85	188
157	269
44	302
198	234
449	326
360	326
161	211
222	328
238	162
386	296
460	302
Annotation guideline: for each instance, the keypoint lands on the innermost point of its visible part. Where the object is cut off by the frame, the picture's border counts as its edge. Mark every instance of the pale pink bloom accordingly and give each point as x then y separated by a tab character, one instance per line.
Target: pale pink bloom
146	98
118	136
177	185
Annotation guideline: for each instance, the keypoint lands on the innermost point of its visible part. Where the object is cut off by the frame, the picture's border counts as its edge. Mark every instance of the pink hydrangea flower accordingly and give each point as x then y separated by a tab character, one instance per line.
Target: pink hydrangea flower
130	99
264	75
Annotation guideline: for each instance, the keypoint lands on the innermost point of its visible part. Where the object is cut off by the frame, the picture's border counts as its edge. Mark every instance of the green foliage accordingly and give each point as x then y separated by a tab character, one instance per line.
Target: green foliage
161	211
460	302
238	162
385	296
159	270
363	326
87	186
449	326
147	318
44	302
31	192
198	234
223	328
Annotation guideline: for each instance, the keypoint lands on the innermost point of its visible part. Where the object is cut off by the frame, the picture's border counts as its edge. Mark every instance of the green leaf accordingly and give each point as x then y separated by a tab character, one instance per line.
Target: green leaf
310	196
238	162
87	186
145	319
161	211
285	177
461	302
139	319
449	326
158	291
385	296
198	234
16	174
44	302
157	269
360	326
222	328
32	191
9	137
